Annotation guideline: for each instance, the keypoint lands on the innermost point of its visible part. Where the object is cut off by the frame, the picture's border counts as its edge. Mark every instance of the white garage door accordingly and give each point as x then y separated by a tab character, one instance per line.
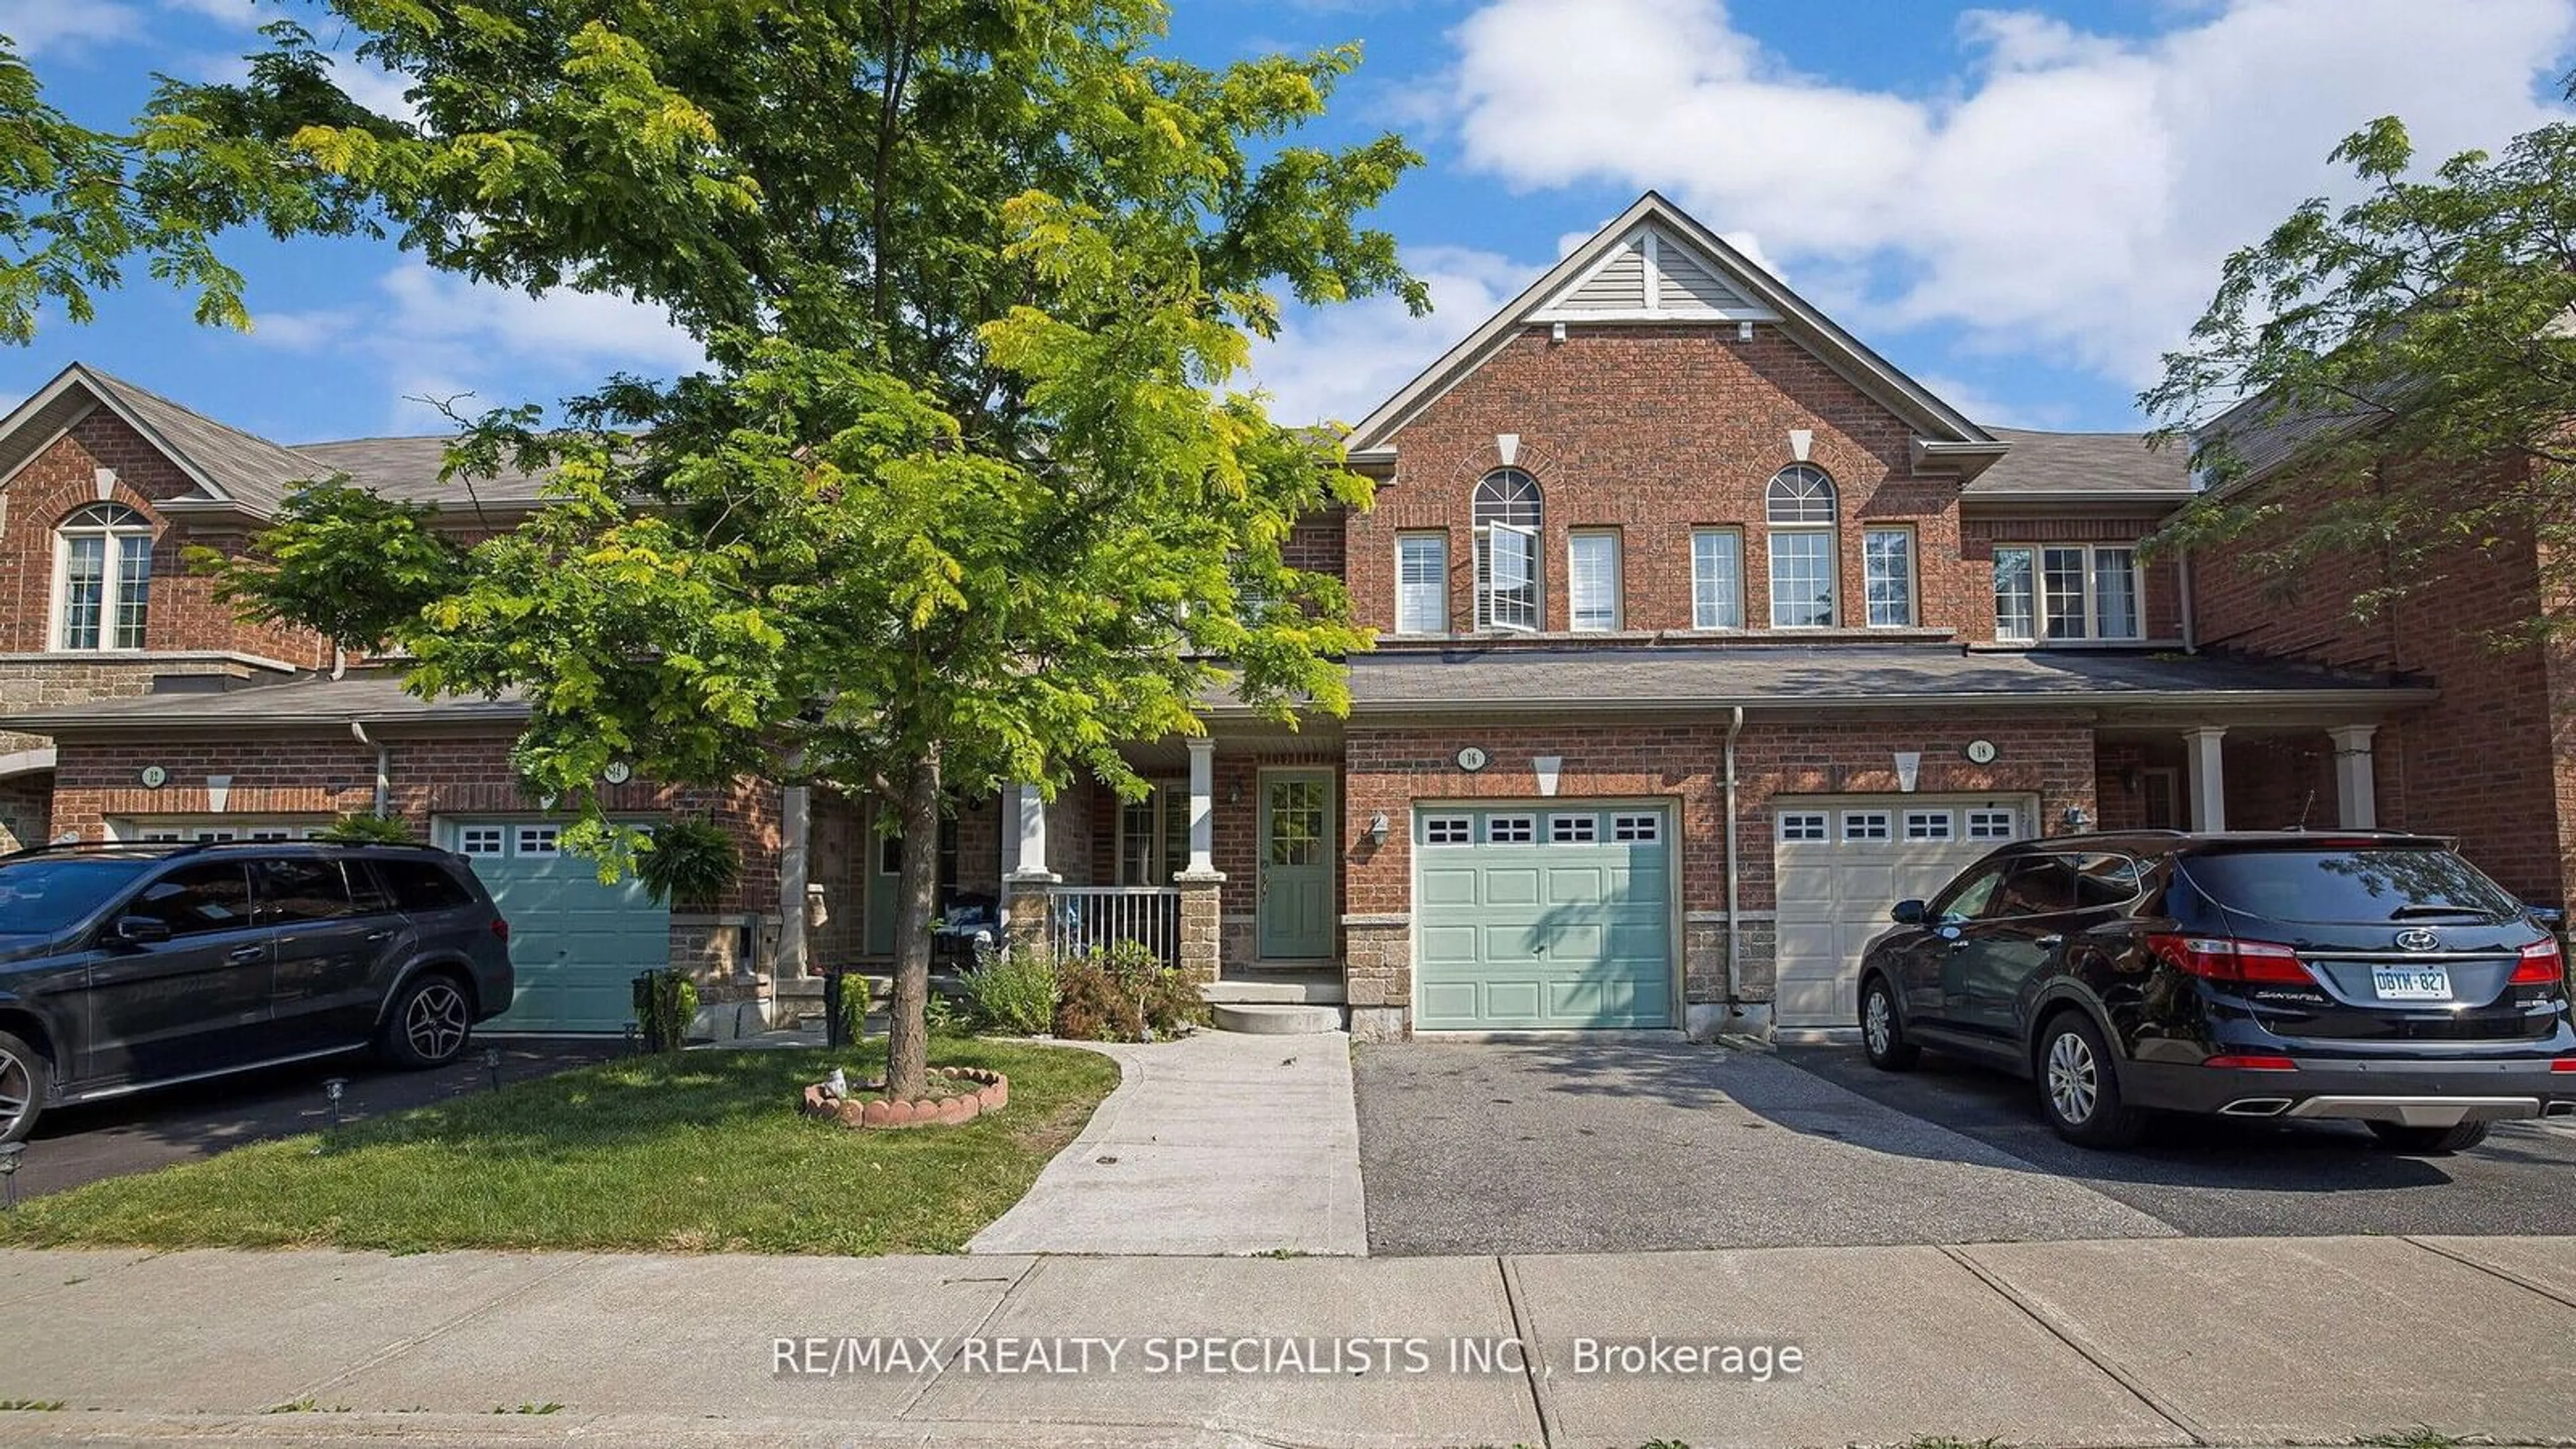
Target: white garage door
1842	861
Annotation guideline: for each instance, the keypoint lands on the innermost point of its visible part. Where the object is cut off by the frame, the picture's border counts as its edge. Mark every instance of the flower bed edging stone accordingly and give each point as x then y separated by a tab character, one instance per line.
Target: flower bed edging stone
866	1113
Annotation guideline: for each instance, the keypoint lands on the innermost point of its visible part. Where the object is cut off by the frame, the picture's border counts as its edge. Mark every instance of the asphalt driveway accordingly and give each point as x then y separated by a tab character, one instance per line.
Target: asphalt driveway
1575	1148
74	1145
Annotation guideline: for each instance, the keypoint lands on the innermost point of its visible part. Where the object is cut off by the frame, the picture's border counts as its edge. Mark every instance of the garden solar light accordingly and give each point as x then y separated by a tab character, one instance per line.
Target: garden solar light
332	1089
492	1065
9	1156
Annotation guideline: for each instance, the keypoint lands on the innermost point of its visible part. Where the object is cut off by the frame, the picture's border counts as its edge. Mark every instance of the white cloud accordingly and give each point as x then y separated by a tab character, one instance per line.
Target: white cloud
441	336
241	14
1338	363
2066	195
59	26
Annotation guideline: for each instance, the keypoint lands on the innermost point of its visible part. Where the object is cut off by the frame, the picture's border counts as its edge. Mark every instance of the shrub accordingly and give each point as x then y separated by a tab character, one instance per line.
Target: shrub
666	1004
853	1024
1013	992
1124	994
1092	1004
366	830
941	1017
693	862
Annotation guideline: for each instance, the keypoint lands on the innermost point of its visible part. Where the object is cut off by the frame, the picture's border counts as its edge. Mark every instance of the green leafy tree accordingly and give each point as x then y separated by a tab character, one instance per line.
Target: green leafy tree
965	497
2414	352
73	216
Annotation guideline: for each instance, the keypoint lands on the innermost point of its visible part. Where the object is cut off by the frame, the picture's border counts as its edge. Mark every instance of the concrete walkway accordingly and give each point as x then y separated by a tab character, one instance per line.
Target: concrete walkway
2138	1342
1214	1144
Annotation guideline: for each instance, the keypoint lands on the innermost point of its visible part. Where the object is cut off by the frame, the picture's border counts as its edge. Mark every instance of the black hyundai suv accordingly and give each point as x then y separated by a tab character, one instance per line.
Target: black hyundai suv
132	966
2357	975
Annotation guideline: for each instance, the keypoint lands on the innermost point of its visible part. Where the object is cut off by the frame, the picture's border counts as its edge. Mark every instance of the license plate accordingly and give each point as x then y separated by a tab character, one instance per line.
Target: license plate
2411	983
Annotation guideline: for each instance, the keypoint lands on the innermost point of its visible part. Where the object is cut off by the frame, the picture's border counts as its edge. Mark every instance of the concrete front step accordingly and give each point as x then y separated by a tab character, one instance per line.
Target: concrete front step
1291	988
1264	1018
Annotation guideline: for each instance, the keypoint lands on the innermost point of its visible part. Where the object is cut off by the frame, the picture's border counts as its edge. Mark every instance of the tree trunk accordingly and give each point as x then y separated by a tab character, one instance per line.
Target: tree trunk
908	1031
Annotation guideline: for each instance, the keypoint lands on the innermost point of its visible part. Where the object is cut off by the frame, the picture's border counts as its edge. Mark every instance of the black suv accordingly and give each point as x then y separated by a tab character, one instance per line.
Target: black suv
132	966
2359	975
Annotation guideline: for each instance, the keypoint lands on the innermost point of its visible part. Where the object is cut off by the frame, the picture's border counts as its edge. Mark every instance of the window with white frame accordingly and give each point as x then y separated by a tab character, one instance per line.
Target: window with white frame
1865	825
1508	521
1887	575
104	555
1990	825
1422	583
540	840
2016	595
1510	830
1717	578
1154	836
1802	511
1928	825
1802	825
1592	580
2068	593
479	840
1573	829
1447	830
1637	829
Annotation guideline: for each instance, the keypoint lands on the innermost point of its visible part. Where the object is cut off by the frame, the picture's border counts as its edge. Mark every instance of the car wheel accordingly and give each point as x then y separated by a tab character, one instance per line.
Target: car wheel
1882	1035
2428	1141
25	1077
2079	1085
429	1024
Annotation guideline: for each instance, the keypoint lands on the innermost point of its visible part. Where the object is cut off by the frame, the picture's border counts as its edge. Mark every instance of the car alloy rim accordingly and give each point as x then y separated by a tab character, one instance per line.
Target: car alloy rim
17	1091
1875	1022
436	1022
2072	1081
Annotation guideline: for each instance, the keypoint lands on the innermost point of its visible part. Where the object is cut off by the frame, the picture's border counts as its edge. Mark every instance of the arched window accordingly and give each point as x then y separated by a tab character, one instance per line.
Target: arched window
103	555
1508	521
1802	513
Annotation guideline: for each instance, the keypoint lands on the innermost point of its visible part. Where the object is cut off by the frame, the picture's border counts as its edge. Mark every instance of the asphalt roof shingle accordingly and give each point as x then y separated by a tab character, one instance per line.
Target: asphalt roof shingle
2073	465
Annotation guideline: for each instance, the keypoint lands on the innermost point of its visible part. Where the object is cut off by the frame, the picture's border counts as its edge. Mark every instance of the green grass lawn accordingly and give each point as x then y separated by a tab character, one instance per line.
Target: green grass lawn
700	1152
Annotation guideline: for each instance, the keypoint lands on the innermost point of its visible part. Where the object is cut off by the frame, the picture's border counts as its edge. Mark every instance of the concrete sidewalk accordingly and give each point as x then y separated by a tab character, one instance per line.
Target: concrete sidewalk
2142	1342
1214	1144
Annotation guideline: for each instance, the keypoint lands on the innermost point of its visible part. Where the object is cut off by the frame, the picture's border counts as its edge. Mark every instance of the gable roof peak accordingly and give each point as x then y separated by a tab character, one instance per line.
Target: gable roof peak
1620	275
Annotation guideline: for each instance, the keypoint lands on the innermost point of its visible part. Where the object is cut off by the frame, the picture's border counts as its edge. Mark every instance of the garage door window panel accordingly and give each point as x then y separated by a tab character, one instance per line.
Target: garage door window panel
1928	825
1448	830
1803	826
1865	825
1991	824
540	840
1510	830
1573	829
1637	829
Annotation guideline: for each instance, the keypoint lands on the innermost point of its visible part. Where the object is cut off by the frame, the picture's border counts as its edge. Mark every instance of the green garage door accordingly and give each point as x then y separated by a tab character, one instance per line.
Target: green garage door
1542	917
576	944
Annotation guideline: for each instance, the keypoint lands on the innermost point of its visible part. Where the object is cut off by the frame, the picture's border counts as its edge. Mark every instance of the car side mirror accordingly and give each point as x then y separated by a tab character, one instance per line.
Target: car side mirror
1910	913
140	930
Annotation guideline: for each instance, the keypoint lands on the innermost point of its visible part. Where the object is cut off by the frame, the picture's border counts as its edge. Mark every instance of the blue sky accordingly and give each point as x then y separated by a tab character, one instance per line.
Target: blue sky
2021	206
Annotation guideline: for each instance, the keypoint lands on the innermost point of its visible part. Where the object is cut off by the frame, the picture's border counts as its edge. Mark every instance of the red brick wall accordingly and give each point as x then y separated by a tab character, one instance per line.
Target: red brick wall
437	776
1317	542
184	613
1683	762
2488	762
1652	431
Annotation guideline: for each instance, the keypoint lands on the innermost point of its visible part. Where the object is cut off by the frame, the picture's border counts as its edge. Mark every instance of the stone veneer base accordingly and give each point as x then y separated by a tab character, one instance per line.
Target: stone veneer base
871	1113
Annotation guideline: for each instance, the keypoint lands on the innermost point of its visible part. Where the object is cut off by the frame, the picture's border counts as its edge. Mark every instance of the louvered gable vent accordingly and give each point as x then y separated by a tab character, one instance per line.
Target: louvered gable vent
1648	277
1619	286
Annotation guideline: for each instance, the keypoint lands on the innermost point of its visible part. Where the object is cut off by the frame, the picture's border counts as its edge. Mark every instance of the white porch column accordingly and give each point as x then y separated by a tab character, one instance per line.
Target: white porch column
2355	785
1202	806
2207	768
795	830
1032	861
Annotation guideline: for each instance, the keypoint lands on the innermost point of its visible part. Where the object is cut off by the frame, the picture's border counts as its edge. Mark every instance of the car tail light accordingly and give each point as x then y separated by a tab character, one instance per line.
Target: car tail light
2215	958
2253	1063
500	928
2563	1064
2541	965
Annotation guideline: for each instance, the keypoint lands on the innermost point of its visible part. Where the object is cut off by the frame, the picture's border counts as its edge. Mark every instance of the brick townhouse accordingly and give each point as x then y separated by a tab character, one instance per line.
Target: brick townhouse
1704	634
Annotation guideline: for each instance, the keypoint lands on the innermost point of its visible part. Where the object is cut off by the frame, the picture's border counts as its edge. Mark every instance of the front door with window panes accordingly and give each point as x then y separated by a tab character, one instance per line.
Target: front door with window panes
1297	865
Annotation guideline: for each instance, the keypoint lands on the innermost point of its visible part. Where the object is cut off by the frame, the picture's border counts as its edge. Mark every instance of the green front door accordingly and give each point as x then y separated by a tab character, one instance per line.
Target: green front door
1296	864
1542	917
575	945
885	872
